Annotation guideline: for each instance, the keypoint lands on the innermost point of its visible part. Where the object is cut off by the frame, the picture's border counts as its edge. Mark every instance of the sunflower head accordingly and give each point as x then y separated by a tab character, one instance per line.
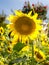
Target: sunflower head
9	49
2	38
25	24
1	30
39	55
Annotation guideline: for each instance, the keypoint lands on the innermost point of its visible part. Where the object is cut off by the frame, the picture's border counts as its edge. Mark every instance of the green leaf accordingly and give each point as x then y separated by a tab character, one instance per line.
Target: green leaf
18	60
47	57
18	46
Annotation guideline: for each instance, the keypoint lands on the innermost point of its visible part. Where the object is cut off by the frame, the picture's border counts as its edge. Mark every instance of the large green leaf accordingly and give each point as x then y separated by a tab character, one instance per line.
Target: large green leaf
18	60
18	46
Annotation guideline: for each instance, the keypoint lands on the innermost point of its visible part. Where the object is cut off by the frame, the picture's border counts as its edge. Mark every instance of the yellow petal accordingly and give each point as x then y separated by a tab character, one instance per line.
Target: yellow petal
15	37
29	13
39	21
12	18
18	12
35	16
26	48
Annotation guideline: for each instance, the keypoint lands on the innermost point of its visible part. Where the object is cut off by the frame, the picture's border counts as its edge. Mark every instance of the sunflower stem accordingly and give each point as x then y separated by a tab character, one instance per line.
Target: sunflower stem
32	50
33	10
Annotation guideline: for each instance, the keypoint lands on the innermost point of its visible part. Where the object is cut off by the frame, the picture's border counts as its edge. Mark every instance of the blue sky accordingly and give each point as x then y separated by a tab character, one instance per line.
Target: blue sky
7	5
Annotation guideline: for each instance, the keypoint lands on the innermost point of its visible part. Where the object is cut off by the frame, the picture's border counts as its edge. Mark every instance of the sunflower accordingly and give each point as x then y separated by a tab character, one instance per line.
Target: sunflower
39	55
2	44
25	25
9	49
2	38
1	30
44	39
12	43
45	43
